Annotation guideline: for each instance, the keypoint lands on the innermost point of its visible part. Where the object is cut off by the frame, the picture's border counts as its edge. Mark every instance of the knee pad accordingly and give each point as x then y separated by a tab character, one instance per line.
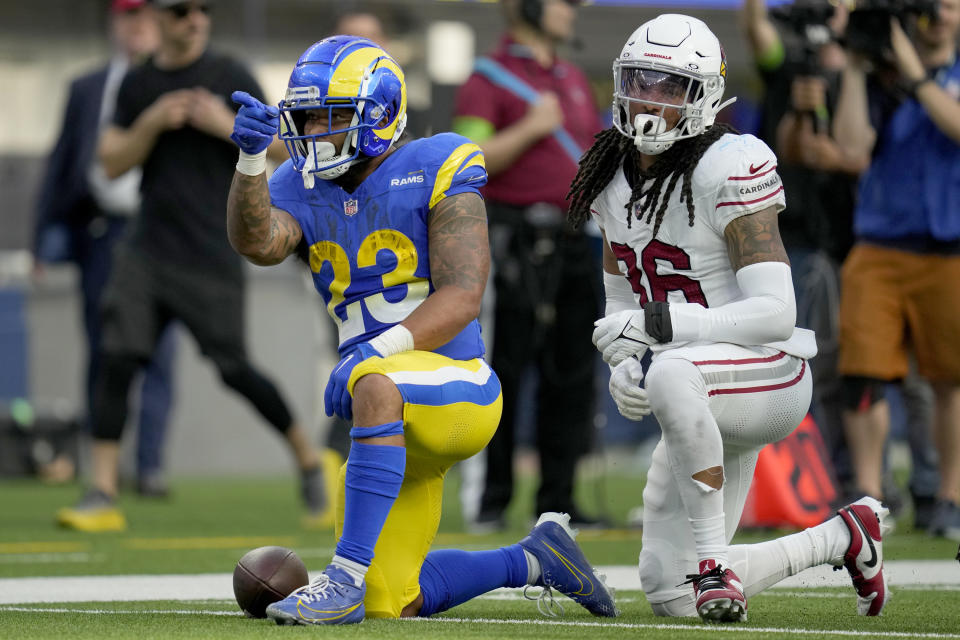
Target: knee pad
861	393
651	572
659	587
652	582
676	384
662	575
683	607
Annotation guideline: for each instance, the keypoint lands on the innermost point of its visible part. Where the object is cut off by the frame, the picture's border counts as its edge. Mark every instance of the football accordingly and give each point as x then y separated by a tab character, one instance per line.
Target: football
264	576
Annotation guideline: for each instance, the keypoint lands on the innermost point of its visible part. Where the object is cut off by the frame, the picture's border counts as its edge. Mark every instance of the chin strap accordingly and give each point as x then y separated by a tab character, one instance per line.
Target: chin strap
726	103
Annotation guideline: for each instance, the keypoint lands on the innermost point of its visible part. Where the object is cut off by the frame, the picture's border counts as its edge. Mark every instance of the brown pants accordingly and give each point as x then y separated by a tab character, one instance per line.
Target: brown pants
894	300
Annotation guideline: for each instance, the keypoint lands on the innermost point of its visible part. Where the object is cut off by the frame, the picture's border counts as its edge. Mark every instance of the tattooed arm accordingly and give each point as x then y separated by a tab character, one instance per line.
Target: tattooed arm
459	264
767	310
755	238
263	234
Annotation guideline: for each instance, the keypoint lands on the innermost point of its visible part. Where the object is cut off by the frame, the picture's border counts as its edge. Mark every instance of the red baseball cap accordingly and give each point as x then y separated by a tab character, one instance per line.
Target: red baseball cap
122	6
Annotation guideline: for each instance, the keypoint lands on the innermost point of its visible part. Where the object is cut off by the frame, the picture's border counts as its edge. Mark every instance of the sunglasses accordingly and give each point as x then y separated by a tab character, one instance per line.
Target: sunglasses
182	10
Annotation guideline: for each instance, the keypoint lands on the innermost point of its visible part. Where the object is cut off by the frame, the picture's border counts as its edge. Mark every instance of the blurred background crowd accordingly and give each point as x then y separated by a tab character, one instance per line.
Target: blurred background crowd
788	64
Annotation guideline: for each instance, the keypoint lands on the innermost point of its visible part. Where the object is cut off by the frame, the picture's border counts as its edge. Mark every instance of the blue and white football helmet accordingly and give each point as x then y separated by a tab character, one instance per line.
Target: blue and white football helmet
343	72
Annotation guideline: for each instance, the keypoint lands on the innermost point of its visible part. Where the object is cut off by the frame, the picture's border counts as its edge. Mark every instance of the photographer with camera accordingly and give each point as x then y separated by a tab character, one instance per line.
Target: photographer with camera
799	60
900	104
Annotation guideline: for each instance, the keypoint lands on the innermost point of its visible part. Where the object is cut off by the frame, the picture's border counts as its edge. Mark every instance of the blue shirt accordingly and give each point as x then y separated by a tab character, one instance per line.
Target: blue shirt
368	249
910	195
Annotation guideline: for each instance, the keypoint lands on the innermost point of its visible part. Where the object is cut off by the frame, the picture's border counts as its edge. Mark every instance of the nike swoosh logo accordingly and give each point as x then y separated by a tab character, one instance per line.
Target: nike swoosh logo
586	584
754	169
872	562
324	614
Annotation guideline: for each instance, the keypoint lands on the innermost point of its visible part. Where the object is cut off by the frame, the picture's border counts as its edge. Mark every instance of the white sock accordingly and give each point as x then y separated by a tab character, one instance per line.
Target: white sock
533	567
762	565
710	538
355	570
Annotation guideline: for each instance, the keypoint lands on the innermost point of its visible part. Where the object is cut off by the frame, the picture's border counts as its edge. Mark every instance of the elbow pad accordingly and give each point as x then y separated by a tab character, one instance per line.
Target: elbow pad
767	312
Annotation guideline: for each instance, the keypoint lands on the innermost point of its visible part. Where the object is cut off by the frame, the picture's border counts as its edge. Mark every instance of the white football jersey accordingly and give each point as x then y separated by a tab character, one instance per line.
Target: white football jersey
736	176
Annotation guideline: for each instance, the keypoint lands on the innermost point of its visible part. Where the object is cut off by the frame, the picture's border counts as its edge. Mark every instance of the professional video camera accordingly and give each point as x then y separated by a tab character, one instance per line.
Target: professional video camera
807	21
868	29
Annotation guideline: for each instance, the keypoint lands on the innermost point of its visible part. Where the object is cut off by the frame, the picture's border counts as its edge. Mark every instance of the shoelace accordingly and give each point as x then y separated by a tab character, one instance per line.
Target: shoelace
547	605
319	588
712	579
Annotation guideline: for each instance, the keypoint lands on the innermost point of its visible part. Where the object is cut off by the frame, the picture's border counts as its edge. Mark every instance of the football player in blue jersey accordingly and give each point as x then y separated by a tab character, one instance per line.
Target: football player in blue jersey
395	233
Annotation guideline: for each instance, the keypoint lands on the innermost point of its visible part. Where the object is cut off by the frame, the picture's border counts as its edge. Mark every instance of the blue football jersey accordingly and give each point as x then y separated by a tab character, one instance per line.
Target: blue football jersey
368	249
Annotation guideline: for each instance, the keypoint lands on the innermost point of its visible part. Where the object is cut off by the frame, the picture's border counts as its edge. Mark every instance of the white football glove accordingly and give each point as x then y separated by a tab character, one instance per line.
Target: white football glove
621	335
625	388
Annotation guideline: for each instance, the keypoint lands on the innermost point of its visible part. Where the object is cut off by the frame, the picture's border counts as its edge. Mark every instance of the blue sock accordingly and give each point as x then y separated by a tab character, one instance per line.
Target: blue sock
374	476
450	577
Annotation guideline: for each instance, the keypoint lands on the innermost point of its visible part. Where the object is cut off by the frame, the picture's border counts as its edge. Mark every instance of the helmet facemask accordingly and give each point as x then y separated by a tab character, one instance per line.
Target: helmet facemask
314	155
664	96
668	83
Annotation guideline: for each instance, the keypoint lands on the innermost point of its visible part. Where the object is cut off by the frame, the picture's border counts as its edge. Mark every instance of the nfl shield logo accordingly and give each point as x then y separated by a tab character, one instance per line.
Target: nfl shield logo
350	207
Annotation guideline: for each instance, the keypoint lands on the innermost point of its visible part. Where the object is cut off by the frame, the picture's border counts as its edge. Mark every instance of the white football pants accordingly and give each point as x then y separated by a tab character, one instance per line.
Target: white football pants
718	405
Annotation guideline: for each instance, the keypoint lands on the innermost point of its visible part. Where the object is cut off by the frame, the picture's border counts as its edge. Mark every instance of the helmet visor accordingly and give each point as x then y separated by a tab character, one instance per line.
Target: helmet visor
659	87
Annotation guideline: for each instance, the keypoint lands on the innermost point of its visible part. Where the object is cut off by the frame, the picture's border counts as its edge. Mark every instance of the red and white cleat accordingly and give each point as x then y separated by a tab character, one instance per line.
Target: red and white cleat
719	593
864	557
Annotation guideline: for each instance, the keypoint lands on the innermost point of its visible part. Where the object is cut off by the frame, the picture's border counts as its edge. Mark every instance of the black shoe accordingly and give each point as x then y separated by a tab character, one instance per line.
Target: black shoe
153	485
923	508
945	522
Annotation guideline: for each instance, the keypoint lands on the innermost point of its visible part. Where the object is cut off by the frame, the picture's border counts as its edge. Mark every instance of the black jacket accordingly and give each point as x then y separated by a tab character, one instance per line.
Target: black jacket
65	197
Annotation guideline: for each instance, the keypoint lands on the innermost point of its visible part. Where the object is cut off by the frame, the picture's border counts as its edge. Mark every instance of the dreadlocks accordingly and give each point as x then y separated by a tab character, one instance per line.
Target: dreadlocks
601	161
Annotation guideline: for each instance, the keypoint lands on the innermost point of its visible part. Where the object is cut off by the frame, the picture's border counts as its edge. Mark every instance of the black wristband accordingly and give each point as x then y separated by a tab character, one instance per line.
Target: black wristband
656	321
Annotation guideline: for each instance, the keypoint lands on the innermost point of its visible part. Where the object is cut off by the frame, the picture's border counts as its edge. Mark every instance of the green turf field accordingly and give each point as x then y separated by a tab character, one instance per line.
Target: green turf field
209	523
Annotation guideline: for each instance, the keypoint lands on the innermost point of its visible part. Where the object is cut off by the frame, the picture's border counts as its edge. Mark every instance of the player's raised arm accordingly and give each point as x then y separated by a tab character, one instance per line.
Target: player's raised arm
263	234
459	264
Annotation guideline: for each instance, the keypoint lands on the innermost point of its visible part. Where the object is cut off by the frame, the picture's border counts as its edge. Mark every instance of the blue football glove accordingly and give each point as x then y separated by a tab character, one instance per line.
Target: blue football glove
336	397
256	124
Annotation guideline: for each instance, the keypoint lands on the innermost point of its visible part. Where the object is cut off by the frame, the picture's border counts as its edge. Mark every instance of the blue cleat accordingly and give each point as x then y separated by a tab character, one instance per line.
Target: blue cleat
333	598
564	567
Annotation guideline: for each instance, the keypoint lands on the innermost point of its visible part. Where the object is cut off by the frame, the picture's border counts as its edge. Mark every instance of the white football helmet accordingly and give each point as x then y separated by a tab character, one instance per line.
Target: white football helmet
673	61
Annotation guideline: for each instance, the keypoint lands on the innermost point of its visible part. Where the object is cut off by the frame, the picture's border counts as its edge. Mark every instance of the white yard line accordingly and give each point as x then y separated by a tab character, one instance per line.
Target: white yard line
705	629
687	628
902	573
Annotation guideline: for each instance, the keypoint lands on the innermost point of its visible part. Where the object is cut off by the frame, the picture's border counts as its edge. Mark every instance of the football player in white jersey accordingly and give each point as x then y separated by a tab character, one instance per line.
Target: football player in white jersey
694	269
